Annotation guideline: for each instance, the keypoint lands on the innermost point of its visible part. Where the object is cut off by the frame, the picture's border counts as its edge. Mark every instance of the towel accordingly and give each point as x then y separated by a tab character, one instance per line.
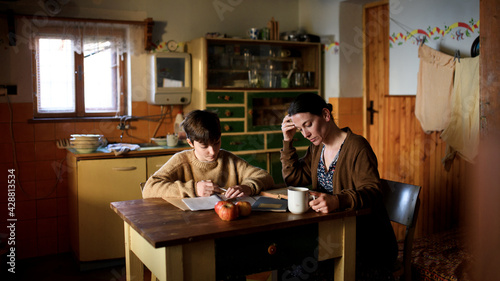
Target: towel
462	133
122	148
434	89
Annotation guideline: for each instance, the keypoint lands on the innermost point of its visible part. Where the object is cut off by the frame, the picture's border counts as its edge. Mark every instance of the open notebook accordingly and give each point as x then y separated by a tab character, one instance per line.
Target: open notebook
262	203
208	203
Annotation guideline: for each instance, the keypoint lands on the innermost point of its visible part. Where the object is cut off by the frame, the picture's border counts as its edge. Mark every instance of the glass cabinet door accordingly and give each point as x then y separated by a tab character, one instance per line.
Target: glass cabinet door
266	110
260	64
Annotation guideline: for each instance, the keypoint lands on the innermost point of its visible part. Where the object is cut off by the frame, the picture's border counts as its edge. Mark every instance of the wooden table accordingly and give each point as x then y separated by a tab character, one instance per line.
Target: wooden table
179	245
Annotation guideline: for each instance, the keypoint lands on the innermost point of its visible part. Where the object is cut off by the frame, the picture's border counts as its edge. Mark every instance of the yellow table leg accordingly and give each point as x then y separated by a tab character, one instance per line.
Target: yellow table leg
133	265
337	240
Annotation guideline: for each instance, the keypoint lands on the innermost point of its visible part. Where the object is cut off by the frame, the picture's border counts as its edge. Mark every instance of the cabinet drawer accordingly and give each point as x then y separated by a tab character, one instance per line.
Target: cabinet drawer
232	126
256	159
254	252
228	112
241	143
225	97
276	140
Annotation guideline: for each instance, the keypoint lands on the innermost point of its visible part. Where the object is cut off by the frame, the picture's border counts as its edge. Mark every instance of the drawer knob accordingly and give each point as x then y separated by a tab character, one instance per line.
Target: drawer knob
226	97
227	128
228	113
272	249
234	143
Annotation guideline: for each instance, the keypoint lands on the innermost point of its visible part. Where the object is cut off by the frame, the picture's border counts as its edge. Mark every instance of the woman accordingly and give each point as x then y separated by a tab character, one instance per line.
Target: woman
341	167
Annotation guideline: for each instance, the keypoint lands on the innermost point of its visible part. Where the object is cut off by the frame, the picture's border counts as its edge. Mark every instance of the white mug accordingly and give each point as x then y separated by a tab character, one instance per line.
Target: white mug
298	200
172	140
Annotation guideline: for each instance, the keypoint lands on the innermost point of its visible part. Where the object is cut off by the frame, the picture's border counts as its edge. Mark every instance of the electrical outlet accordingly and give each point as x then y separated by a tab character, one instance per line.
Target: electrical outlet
11	90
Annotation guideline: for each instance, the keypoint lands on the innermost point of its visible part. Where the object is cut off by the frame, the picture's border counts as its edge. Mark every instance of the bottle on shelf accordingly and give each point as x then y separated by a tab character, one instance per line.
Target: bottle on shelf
177	126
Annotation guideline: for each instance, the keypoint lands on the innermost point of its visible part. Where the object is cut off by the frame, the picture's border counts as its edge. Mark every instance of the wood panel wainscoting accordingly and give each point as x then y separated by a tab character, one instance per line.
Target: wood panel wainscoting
412	156
409	155
405	153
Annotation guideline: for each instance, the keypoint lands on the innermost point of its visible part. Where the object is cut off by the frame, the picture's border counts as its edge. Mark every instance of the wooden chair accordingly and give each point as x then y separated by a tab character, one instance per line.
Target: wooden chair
402	204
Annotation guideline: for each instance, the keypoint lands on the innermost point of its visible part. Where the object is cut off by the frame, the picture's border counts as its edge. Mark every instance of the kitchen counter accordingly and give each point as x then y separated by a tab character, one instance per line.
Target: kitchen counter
98	178
104	153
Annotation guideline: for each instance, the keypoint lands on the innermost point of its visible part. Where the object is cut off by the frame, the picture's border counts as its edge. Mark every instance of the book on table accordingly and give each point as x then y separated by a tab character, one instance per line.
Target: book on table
270	204
258	202
208	203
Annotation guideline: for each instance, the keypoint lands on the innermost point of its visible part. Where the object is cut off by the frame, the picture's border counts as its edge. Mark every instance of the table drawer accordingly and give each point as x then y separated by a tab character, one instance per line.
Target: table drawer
228	112
242	143
225	98
263	251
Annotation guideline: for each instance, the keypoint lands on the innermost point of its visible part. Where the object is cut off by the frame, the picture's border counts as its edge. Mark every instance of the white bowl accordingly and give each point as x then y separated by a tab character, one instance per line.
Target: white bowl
160	141
94	143
85	146
85	150
85	140
86	137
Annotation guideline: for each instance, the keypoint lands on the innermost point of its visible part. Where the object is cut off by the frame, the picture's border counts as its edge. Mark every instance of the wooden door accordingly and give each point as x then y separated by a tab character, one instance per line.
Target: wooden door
376	73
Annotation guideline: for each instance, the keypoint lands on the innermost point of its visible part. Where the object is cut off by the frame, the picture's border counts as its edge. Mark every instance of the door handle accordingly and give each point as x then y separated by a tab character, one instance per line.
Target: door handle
372	112
80	73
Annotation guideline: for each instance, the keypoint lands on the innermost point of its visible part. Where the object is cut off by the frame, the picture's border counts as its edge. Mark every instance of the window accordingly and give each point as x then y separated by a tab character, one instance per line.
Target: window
80	70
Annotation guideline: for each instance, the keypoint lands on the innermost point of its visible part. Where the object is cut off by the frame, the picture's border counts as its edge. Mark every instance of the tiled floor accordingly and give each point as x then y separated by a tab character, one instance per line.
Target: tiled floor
63	267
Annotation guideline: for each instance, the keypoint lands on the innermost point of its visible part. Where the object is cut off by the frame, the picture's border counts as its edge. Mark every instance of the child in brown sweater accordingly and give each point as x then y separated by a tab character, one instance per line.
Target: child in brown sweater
205	169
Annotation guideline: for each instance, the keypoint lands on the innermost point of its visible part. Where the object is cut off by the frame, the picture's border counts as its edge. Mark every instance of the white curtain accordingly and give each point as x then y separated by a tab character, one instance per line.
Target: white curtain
126	38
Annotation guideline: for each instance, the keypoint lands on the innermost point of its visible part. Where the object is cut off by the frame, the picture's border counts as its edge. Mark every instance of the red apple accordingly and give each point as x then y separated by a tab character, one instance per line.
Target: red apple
228	211
218	205
244	208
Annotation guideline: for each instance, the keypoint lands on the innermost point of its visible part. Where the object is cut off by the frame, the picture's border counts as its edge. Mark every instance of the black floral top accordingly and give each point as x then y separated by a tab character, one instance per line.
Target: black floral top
325	179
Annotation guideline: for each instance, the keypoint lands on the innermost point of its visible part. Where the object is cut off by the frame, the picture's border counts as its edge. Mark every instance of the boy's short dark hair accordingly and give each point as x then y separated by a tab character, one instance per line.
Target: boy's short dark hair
202	126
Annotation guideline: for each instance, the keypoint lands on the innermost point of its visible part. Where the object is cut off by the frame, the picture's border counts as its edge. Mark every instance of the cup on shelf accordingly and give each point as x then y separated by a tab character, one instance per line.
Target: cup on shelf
298	80
285	53
172	140
247	58
270	80
253	33
309	77
265	33
253	78
285	82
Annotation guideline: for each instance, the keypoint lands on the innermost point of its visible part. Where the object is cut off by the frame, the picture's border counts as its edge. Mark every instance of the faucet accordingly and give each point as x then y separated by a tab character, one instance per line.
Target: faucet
123	126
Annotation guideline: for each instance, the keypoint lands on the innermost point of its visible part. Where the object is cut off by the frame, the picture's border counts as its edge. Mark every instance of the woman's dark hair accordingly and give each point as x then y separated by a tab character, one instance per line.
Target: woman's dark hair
308	102
202	126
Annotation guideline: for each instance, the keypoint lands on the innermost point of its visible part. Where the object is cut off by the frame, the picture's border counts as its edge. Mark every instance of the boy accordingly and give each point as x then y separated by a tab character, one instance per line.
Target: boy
205	169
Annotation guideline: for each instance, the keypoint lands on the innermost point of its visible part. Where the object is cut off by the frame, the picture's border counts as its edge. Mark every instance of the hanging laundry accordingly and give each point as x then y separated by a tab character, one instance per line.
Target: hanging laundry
434	88
462	133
